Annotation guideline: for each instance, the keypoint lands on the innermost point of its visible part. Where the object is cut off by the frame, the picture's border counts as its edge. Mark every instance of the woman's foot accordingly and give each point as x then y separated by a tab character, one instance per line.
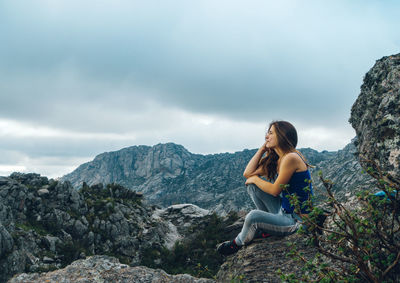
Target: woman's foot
228	247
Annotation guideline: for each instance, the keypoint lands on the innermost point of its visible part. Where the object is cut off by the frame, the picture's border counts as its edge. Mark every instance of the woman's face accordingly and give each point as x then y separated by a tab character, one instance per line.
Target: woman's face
271	138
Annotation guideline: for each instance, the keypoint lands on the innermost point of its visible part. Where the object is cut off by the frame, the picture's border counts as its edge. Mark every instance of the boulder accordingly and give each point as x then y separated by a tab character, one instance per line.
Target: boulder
43	192
376	117
261	260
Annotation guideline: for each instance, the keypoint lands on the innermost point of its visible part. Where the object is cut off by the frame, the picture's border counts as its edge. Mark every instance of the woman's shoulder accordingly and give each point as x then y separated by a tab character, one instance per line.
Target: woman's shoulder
296	160
292	156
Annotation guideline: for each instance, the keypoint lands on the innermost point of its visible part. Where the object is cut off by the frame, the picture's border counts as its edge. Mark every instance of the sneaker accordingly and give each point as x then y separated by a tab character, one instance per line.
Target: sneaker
261	234
228	247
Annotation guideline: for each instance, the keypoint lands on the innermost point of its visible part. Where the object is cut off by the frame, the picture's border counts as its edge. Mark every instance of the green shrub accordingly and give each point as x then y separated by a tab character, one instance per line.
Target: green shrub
356	244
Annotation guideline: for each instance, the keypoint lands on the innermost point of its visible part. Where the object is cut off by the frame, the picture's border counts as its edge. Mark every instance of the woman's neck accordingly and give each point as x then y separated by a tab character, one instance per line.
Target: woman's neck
281	153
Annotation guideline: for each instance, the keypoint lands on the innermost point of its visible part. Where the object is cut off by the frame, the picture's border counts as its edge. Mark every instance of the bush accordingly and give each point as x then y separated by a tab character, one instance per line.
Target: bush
356	244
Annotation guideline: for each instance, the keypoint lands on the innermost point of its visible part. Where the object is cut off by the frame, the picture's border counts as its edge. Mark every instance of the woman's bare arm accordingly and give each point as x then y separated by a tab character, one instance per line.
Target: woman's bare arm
252	167
288	167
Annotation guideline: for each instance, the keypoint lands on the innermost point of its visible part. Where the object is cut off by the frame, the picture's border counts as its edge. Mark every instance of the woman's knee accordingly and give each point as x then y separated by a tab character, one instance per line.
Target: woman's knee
252	216
251	189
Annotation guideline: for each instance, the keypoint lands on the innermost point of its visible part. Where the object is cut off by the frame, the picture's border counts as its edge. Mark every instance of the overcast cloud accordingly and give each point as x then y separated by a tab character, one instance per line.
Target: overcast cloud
78	78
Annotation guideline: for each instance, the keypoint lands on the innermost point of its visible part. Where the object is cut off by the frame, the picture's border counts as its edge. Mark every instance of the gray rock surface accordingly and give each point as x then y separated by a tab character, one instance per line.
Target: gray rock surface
179	219
105	269
260	261
6	241
376	116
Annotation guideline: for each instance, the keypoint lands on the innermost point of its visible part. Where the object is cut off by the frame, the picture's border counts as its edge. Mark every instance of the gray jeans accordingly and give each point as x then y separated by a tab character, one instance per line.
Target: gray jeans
268	217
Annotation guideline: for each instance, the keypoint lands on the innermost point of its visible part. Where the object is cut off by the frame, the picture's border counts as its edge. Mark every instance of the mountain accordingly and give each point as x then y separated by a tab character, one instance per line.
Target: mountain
344	170
168	174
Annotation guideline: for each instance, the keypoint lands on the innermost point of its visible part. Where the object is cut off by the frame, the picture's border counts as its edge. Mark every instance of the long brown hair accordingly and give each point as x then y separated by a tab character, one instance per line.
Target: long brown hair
287	141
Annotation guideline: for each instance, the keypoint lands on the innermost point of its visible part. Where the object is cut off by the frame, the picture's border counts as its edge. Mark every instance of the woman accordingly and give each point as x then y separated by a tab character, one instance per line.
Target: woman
283	163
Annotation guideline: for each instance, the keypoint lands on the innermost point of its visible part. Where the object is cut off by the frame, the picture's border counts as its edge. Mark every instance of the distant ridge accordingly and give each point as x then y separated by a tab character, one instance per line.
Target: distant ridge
169	174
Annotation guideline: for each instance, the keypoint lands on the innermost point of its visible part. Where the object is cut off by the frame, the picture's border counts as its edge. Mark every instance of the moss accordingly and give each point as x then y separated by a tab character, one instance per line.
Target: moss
46	268
71	251
47	253
52	184
73	214
238	279
124	259
37	227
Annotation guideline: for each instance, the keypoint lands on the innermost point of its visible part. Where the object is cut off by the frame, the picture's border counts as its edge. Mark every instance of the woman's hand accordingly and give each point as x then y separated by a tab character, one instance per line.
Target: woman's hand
251	180
264	147
253	167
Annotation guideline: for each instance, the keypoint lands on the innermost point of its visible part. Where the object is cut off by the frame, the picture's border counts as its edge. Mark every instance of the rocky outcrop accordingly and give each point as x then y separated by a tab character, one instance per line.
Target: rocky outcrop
261	260
46	224
258	262
168	174
179	219
105	269
376	116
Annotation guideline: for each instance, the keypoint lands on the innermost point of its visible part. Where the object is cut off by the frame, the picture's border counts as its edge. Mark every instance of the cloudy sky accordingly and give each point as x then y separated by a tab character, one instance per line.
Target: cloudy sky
78	78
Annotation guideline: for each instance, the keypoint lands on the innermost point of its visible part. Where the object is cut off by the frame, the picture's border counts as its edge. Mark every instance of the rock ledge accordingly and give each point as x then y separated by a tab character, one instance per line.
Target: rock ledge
104	269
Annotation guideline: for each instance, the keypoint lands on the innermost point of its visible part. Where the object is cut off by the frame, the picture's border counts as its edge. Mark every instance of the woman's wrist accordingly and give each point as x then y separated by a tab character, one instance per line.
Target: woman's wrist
262	150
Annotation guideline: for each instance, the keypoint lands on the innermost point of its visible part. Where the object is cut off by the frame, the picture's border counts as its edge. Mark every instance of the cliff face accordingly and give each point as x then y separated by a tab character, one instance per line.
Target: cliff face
169	174
376	116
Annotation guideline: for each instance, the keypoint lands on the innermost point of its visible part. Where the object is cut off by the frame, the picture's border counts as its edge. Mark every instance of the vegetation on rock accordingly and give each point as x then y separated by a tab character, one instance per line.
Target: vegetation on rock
195	255
360	243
